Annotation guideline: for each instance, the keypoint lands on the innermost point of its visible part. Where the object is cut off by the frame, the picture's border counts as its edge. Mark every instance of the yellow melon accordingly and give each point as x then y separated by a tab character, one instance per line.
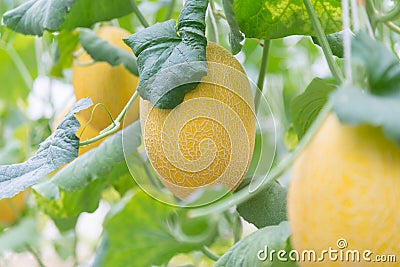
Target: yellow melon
103	83
345	194
209	138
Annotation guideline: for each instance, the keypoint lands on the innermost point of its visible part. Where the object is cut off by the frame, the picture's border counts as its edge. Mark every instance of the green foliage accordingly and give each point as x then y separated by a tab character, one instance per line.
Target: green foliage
267	207
378	102
335	41
24	234
101	50
67	42
171	61
78	187
152	233
244	253
381	65
104	160
71	204
59	148
235	36
35	16
306	107
17	52
271	19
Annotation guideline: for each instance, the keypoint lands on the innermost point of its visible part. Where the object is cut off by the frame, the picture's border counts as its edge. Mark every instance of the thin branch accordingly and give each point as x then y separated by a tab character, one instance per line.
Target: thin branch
210	254
262	74
347	40
139	14
170	10
324	42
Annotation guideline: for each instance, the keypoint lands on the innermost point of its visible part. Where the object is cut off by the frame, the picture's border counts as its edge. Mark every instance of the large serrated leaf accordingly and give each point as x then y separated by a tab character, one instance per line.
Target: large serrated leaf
59	148
142	233
245	253
306	107
35	16
101	50
171	58
235	36
270	19
267	207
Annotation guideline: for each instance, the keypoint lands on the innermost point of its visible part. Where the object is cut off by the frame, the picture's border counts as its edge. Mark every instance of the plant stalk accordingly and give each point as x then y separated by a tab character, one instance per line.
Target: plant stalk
263	72
324	42
139	14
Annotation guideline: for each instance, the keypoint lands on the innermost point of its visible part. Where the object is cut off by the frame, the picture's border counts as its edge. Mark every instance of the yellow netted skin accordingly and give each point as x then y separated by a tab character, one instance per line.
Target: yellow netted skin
209	138
103	83
345	195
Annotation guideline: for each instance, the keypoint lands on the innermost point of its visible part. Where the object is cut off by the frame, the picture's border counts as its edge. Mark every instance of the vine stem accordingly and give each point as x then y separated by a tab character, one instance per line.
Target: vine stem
116	124
35	255
263	72
347	39
393	26
274	174
213	25
139	14
390	15
324	42
210	254
170	10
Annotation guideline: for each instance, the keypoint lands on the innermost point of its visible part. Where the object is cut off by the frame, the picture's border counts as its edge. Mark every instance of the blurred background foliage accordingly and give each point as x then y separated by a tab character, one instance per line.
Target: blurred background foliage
35	87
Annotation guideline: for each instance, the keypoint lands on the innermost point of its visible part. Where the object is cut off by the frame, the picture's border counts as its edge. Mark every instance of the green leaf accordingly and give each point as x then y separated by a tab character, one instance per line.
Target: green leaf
246	251
378	102
145	232
105	160
356	107
335	41
171	63
267	207
59	148
71	204
78	187
35	16
17	238
381	65
85	13
306	107
67	42
271	19
235	36
101	50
